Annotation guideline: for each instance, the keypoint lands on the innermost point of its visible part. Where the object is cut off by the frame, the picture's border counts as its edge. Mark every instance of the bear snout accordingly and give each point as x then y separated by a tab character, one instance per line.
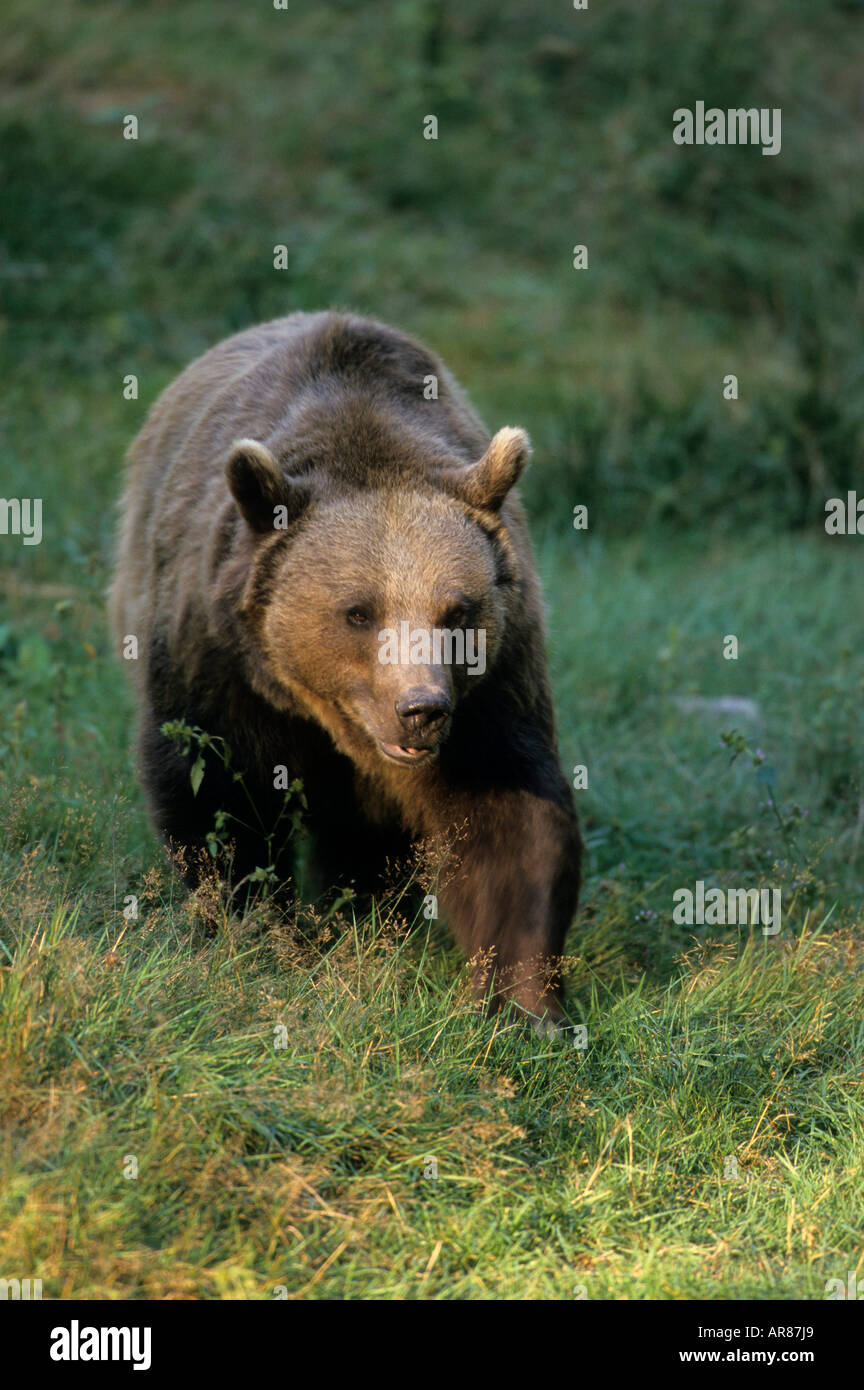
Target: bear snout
424	718
423	709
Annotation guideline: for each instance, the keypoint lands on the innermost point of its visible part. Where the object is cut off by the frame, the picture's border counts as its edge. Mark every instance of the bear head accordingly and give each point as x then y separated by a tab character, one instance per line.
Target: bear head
379	603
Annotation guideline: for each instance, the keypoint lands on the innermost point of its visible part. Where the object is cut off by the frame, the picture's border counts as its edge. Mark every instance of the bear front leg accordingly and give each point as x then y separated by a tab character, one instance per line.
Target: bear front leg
510	892
184	818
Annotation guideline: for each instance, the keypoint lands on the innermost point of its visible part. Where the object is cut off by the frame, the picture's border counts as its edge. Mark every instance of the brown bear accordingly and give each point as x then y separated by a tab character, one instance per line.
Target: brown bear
325	565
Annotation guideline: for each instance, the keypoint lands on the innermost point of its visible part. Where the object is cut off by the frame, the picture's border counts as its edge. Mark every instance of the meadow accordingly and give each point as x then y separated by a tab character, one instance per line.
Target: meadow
269	1110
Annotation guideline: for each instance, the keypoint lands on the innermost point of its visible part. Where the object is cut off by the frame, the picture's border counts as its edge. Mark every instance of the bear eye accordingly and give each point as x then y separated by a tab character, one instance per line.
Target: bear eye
455	617
358	616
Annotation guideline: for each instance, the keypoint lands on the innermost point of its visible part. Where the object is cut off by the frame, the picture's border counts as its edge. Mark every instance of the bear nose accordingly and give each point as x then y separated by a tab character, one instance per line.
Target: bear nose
423	709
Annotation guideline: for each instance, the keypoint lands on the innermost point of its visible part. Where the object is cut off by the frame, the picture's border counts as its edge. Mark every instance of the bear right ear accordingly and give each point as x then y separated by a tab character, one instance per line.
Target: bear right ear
258	487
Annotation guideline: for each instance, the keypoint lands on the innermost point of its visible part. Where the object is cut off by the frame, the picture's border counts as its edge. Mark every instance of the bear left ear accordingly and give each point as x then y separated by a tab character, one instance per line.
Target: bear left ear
258	486
486	483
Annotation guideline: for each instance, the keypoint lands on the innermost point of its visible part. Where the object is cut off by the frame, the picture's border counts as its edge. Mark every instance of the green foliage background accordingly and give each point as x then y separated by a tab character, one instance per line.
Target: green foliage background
304	127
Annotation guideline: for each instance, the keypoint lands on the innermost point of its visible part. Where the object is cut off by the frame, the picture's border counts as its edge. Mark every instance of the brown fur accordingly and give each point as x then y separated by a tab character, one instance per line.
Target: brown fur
401	507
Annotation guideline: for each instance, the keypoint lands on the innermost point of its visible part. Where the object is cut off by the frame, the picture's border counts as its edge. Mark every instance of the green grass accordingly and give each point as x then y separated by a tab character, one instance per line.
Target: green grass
558	1169
304	1167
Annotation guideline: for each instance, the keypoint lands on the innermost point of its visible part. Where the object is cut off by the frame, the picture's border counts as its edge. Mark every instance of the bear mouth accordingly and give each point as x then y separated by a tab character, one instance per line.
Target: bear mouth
407	754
